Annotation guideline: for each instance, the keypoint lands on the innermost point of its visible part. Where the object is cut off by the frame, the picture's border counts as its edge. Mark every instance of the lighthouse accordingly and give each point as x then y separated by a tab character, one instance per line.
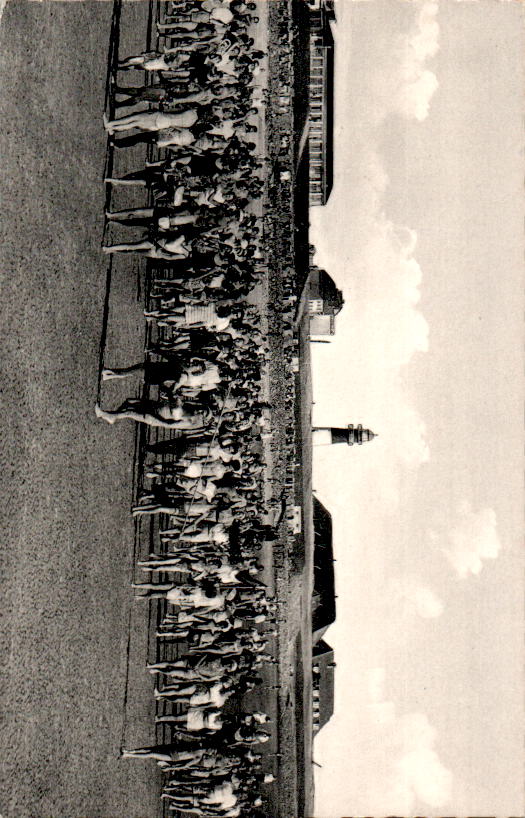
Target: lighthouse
327	435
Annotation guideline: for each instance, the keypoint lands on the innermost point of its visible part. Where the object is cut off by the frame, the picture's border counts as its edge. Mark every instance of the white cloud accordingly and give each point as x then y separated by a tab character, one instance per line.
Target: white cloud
374	261
420	774
418	598
402	769
411	442
418	84
381	322
415	95
393	279
427	603
402	82
416	772
473	539
423	43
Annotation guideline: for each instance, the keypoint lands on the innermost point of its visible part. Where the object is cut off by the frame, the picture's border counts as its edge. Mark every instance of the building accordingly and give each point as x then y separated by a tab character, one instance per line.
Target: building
351	435
323	615
321	101
323	672
323	602
325	301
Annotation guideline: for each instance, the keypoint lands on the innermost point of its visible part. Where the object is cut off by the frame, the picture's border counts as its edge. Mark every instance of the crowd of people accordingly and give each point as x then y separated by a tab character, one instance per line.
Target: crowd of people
204	466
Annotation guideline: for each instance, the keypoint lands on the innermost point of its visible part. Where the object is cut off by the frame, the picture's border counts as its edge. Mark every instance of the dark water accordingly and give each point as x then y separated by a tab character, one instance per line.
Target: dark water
65	543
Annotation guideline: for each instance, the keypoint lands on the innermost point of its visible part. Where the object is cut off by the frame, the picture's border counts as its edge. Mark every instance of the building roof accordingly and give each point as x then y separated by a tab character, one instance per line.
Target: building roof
331	295
329	96
329	7
325	6
323	286
323	683
322	44
323	613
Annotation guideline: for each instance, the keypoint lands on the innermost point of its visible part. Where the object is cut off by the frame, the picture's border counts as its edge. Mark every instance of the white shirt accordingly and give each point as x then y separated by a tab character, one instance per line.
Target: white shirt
213	695
184	119
176	136
196	599
210	377
227	574
198	720
171	412
225	129
222	795
175	246
222	14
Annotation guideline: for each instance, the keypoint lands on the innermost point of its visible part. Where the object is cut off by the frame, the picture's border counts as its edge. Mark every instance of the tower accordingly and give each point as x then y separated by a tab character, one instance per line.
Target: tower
327	435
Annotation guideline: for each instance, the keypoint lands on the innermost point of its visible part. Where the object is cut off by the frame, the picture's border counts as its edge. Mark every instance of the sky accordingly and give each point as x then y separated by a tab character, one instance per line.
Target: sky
424	234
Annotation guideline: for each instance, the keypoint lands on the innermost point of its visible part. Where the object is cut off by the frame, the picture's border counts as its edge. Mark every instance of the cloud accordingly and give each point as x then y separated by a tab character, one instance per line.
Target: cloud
418	599
415	96
402	83
473	539
407	770
374	260
393	280
413	449
418	773
375	265
422	42
415	773
385	755
417	83
385	322
383	278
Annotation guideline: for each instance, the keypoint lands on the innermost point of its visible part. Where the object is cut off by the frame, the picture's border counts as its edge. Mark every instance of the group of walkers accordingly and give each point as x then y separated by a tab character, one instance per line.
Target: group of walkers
204	465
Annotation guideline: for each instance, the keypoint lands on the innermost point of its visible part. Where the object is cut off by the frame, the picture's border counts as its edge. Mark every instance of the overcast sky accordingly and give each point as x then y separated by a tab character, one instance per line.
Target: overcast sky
424	234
